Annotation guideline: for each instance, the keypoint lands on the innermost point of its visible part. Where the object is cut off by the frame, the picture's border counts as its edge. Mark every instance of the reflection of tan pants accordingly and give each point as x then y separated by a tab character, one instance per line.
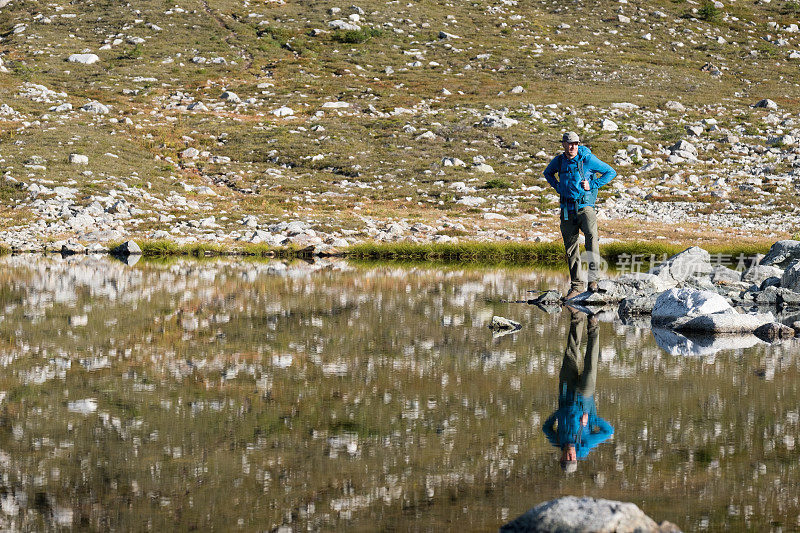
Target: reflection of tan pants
584	220
582	382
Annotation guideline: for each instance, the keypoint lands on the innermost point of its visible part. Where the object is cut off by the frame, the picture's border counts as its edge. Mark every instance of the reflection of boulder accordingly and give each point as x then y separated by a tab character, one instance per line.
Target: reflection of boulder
585	514
503	323
675	343
774	332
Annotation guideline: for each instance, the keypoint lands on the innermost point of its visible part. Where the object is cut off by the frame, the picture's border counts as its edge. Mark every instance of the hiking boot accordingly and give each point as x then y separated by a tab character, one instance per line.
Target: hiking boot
572	294
593	286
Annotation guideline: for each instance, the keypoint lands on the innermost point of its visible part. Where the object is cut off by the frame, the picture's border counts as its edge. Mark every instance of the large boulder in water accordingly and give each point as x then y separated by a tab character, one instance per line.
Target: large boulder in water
675	304
571	514
703	311
781	253
679	267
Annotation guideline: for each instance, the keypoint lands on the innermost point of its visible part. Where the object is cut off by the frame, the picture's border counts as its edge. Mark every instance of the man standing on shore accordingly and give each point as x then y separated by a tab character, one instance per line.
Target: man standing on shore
577	186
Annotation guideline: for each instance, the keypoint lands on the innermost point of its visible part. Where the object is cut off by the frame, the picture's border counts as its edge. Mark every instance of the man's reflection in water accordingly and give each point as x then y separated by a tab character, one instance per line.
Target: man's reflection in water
575	426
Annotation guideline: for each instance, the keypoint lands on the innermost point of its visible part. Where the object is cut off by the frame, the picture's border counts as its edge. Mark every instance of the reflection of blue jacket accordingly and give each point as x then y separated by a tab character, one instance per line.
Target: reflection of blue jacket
571	407
570	174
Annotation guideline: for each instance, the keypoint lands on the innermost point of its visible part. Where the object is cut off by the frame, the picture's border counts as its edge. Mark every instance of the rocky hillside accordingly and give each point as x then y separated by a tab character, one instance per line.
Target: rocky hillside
230	120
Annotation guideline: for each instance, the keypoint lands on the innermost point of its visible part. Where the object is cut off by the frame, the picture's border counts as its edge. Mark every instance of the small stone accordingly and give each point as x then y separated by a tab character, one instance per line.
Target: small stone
766	103
190	153
96	108
672	105
694	130
78	159
339	24
231	97
83	59
608	125
126	248
283	112
498	121
453	162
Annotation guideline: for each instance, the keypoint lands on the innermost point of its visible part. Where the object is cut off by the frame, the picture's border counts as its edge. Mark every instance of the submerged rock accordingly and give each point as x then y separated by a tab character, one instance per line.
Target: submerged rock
570	514
502	323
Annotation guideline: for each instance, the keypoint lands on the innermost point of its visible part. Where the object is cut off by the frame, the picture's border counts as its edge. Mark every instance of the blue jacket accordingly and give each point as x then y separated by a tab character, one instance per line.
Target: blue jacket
571	406
570	174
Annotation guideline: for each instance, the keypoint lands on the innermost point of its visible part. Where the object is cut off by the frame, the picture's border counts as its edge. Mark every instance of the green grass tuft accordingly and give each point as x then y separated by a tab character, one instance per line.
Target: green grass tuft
356	36
496	183
709	12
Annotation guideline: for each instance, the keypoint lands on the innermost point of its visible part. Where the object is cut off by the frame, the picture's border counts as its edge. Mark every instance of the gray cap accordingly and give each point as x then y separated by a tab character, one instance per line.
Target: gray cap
570	137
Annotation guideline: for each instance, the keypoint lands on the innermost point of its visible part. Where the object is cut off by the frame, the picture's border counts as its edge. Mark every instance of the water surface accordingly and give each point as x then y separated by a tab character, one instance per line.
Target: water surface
328	396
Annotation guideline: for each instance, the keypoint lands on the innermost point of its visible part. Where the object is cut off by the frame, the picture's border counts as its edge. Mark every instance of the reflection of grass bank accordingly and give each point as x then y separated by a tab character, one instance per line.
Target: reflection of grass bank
492	253
537	253
4	250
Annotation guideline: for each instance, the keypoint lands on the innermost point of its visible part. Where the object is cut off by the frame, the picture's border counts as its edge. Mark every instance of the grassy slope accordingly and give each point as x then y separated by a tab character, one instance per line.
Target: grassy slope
583	68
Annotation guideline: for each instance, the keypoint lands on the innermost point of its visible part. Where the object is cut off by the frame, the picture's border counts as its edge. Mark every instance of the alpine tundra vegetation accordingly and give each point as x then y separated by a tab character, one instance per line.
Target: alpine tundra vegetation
320	123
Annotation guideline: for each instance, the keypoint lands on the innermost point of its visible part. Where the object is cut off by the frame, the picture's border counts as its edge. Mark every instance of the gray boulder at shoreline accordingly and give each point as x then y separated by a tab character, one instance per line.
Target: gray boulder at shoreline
781	253
686	293
571	514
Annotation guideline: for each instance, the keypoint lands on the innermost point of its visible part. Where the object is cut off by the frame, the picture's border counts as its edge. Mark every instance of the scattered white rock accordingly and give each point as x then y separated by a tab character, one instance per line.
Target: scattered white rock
766	103
283	112
231	97
96	108
83	59
608	125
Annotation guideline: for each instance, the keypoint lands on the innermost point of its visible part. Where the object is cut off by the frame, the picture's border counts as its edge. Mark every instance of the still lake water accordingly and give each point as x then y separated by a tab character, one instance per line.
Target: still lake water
250	396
